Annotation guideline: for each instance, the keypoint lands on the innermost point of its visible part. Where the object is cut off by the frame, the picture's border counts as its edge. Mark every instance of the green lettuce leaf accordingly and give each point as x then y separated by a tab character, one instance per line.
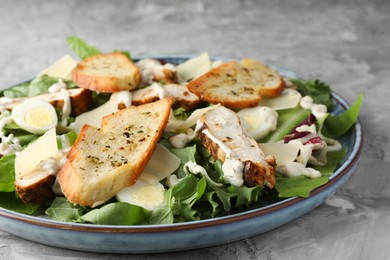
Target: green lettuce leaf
319	91
185	193
185	155
245	195
126	53
117	213
161	216
81	48
21	90
70	137
39	85
181	113
209	206
62	210
287	120
10	201
24	137
7	173
334	158
335	126
301	186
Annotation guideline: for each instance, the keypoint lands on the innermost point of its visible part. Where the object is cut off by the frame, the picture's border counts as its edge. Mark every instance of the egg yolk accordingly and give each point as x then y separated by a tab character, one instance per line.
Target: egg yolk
38	117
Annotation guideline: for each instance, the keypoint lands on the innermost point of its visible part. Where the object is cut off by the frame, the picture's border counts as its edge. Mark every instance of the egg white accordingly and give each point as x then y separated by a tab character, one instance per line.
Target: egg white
258	122
35	116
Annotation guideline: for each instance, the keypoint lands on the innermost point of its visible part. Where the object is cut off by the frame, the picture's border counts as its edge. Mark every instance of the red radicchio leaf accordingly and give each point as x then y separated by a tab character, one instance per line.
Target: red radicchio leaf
314	140
294	134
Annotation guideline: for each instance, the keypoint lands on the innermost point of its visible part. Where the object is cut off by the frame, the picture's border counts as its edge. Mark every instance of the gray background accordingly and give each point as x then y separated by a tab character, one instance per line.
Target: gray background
344	43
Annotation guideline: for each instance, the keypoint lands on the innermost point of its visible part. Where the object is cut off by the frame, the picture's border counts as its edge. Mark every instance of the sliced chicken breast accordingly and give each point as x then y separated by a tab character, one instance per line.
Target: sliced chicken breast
224	138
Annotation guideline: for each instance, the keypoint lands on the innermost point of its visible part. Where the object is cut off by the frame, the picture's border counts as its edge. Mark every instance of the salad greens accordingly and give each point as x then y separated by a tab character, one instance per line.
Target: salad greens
81	48
319	91
7	176
39	85
197	195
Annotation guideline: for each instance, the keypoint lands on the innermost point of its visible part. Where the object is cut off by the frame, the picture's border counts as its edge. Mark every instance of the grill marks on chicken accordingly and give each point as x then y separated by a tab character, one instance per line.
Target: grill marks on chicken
224	138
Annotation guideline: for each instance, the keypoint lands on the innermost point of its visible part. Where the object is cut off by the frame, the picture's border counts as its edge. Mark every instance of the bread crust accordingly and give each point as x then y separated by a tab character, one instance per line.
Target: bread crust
238	85
107	73
105	160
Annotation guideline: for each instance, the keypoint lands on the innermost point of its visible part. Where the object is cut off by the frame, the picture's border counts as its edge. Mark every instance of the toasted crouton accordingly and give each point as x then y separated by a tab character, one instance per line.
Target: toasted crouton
238	85
107	73
105	160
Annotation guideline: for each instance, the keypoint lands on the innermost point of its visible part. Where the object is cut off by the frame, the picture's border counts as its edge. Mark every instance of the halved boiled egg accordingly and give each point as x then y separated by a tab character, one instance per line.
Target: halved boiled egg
146	195
257	122
35	116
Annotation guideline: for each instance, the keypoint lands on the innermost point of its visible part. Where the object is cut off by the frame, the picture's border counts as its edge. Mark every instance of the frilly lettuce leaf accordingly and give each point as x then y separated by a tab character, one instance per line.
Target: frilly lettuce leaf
319	91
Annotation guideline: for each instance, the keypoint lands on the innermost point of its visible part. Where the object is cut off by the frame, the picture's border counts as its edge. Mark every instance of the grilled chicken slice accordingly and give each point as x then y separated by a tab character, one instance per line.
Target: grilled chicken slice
153	70
224	138
158	91
35	187
80	99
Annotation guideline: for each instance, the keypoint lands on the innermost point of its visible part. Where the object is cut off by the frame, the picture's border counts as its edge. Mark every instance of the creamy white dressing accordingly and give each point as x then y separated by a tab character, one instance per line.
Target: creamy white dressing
123	97
170	66
49	165
233	172
307	150
293	169
306	128
65	144
8	144
318	110
58	87
332	144
3	122
195	169
151	69
172	180
313	153
180	140
3	103
159	89
66	108
56	188
232	168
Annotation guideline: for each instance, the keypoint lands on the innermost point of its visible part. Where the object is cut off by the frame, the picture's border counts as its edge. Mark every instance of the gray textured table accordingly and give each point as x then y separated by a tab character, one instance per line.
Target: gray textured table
344	43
